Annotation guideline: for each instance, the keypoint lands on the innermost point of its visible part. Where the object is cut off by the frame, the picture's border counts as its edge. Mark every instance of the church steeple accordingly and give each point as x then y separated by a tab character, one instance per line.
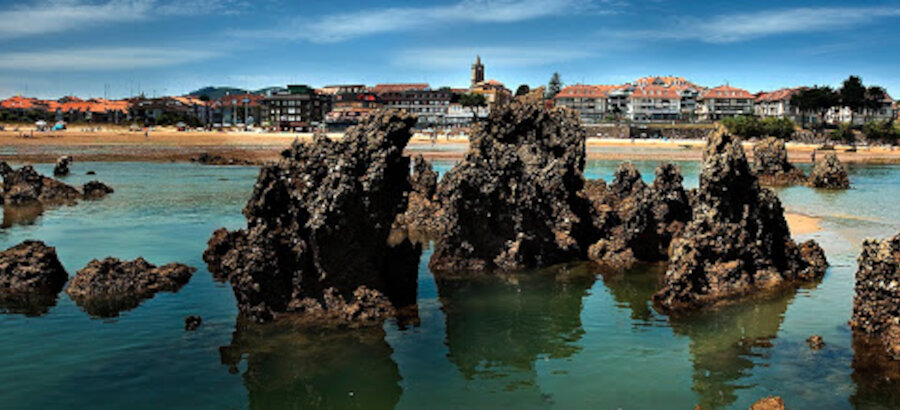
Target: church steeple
477	72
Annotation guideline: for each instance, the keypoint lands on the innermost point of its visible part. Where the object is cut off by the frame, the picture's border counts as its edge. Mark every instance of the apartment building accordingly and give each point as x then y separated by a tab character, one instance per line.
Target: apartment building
298	108
777	104
590	101
724	101
654	103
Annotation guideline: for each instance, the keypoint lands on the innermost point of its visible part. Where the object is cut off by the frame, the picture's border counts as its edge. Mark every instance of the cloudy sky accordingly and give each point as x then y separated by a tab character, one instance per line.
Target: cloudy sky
50	48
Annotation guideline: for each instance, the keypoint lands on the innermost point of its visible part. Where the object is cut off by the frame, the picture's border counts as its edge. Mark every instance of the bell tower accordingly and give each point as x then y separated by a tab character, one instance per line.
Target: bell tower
477	72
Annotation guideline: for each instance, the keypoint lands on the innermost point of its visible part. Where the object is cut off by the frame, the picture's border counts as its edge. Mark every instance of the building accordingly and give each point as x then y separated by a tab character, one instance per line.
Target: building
494	92
477	72
590	101
654	103
350	108
342	89
427	104
724	101
165	110
459	116
246	109
387	88
298	108
777	104
844	115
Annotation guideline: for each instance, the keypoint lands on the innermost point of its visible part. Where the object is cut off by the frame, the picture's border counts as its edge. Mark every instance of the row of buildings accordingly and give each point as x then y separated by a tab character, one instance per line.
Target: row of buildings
656	99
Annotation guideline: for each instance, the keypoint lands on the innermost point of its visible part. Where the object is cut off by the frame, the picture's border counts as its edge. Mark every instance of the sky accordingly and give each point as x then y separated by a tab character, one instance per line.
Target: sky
119	48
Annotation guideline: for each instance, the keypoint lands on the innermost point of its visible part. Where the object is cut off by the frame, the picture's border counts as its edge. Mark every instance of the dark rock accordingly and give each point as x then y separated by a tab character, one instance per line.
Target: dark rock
423	216
212	159
771	165
30	278
514	201
424	179
25	186
318	223
768	403
829	173
61	168
90	173
192	322
105	288
815	342
737	242
876	306
96	190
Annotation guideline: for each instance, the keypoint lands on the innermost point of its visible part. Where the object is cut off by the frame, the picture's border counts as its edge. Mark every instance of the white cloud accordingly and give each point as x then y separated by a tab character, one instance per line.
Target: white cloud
101	59
438	58
202	7
60	16
732	28
355	24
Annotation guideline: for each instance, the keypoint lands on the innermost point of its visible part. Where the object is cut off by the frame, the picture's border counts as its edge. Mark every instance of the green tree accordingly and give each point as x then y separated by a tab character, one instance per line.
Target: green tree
523	89
816	101
881	131
853	95
844	133
473	101
782	128
554	86
744	126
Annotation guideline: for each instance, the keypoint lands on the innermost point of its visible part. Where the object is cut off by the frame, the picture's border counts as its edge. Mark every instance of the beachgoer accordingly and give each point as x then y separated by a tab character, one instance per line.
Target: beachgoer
813	156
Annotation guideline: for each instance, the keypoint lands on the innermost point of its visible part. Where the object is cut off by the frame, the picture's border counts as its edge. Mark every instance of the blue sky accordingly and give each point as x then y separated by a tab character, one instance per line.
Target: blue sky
50	48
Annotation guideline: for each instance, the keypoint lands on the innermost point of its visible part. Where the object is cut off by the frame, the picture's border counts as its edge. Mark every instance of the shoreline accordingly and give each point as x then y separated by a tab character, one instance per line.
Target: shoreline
169	146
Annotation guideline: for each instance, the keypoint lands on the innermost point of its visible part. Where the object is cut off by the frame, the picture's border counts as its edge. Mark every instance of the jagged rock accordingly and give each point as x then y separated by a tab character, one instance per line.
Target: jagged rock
514	202
318	223
829	173
95	190
30	278
192	322
424	179
876	307
25	186
737	242
423	216
638	222
815	342
771	165
768	403
61	168
212	159
106	287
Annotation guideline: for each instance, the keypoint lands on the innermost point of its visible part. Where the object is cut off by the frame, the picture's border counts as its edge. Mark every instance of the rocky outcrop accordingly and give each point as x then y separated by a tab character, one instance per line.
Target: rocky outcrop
636	221
95	190
815	342
768	403
106	287
737	242
61	168
31	276
423	216
318	222
771	165
213	159
829	173
24	186
513	202
876	307
191	323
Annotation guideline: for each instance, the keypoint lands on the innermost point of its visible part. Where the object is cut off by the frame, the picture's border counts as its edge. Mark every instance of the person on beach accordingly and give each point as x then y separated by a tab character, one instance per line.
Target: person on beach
813	156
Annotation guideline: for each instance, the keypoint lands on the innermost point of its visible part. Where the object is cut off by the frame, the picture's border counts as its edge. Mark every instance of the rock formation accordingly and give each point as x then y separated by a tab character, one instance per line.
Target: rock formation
213	159
423	215
192	322
105	288
61	168
514	202
770	163
815	342
316	242
768	403
876	307
30	278
829	173
737	241
636	221
95	190
25	186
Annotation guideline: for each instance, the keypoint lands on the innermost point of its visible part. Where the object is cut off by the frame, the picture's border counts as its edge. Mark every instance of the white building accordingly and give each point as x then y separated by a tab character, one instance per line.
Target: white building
725	101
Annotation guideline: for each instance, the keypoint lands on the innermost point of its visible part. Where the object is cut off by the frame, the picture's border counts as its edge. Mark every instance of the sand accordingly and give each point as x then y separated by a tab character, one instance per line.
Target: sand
802	224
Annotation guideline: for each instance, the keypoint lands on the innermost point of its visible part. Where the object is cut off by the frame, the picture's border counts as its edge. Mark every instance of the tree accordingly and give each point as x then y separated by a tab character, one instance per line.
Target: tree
859	98
881	131
816	100
473	101
205	98
554	86
782	128
523	89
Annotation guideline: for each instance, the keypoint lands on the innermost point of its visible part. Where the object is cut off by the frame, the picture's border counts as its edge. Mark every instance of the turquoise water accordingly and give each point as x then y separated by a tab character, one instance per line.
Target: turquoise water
564	337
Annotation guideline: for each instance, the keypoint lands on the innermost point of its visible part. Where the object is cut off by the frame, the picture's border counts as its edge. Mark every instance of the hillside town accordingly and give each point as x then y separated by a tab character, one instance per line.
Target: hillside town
652	99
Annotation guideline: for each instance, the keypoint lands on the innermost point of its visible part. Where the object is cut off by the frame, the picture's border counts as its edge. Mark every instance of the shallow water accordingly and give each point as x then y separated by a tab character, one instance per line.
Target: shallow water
564	337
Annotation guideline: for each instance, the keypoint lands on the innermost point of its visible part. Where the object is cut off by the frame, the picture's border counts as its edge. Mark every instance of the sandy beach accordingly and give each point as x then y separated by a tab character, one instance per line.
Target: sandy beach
164	145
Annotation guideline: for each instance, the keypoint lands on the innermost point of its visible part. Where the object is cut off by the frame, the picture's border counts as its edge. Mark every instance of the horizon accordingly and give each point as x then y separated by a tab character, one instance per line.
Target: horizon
164	47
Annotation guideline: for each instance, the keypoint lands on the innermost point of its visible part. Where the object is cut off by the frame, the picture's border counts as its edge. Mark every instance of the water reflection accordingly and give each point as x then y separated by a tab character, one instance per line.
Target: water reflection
498	327
876	375
292	366
633	288
21	215
36	304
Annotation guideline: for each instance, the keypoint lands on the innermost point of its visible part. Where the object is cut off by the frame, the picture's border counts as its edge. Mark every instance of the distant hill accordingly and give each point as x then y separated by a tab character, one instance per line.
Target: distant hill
219	92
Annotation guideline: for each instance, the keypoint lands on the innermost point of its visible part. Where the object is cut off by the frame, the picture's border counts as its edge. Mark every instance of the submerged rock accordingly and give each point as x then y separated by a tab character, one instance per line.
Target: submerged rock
31	276
318	223
829	173
513	202
61	168
771	165
876	306
636	221
212	159
737	242
768	403
192	322
815	342
25	186
106	287
95	190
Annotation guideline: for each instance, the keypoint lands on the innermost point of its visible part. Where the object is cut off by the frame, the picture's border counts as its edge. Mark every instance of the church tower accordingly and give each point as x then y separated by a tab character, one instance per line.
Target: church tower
477	72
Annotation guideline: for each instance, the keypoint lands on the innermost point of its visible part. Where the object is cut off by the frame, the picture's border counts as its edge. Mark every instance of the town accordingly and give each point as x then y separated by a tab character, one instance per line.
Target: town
602	108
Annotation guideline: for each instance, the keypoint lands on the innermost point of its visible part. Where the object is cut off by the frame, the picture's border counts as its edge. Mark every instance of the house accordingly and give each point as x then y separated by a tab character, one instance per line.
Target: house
777	104
297	108
589	101
350	108
429	105
843	115
724	101
654	103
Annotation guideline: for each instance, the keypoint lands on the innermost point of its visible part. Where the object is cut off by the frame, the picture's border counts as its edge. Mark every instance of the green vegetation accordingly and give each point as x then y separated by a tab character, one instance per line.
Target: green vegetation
554	86
753	127
859	98
523	89
844	133
881	131
816	101
473	101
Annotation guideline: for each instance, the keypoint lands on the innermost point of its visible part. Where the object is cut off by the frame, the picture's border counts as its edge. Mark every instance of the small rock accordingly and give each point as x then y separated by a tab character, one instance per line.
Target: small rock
90	173
768	403
95	190
829	173
815	342
61	168
192	322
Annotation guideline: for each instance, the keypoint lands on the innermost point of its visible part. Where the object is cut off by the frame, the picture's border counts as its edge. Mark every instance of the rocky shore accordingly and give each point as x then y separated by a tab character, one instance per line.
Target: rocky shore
25	187
31	276
318	222
876	306
829	173
771	165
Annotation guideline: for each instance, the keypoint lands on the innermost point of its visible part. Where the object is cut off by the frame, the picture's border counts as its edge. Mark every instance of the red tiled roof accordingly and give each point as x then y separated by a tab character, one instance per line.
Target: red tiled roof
726	91
668	81
655	92
387	88
586	91
20	103
777	95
